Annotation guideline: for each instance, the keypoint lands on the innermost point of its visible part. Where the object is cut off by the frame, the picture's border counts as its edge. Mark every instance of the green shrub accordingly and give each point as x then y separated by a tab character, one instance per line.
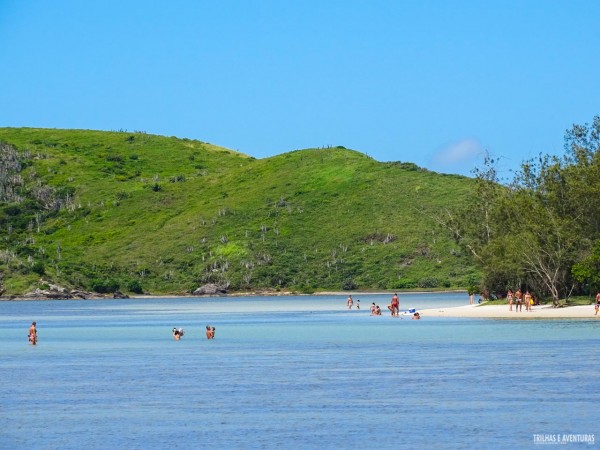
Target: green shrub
105	286
135	286
429	283
39	268
348	285
405	283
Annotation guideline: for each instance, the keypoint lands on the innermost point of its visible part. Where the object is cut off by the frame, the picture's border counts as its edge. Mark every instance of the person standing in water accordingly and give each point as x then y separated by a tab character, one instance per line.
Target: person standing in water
395	305
33	333
349	302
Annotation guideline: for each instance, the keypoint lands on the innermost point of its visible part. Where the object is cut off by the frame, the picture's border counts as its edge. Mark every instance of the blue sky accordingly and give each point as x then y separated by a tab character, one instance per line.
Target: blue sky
437	83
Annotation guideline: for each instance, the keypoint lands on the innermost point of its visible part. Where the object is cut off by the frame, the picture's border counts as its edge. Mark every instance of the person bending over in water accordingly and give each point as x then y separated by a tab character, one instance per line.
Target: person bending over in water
416	316
178	334
32	334
210	332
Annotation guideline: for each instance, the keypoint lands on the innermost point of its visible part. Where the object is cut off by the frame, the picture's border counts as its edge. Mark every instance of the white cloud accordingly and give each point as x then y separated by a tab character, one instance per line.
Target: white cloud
458	156
465	150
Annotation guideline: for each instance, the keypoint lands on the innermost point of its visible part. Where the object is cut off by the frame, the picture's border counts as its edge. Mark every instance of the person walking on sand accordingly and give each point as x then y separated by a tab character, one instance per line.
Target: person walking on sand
509	297
519	301
349	302
32	333
596	306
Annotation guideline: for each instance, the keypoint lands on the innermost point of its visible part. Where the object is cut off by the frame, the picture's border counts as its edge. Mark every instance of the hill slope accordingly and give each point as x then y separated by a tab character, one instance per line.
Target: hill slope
101	210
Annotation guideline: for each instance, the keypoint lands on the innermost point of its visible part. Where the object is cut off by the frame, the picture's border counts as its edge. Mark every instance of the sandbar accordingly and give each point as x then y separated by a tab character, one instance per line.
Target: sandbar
502	312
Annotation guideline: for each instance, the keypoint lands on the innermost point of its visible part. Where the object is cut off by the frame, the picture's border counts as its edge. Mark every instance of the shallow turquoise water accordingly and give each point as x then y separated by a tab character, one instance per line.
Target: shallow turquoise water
289	372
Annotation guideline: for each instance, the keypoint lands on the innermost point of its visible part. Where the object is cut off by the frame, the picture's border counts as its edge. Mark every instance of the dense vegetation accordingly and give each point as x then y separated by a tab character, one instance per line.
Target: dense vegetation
103	211
541	231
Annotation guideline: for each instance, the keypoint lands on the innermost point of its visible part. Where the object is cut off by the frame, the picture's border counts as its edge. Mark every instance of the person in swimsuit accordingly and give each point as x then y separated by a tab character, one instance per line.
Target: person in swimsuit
596	306
32	336
527	301
395	305
210	332
177	334
349	302
519	297
509	297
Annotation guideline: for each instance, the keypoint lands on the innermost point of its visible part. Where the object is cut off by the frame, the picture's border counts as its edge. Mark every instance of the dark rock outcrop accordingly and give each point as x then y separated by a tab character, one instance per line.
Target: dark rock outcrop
210	289
52	292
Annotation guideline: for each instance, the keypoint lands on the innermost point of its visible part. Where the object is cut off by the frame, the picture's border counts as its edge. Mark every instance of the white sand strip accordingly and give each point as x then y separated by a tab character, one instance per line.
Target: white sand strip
502	312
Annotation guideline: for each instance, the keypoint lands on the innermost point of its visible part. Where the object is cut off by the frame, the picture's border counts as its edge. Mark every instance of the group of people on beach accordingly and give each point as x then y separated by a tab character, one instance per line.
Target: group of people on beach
179	332
519	298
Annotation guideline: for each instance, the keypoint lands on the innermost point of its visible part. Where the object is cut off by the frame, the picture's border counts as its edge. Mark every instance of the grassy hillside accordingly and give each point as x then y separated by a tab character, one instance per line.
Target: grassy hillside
101	210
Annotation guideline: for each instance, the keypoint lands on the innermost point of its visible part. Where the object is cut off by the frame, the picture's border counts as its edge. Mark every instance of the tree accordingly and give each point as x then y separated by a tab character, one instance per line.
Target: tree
587	270
538	227
474	226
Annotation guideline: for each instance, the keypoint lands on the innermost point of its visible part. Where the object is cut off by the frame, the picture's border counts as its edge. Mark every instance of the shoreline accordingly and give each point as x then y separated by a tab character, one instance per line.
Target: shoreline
265	293
477	311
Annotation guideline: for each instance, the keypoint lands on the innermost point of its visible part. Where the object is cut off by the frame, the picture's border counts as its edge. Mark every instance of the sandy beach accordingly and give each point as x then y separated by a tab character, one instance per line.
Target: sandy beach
502	312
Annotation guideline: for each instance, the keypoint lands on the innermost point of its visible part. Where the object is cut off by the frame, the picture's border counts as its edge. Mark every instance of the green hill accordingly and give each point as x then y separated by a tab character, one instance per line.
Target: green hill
106	210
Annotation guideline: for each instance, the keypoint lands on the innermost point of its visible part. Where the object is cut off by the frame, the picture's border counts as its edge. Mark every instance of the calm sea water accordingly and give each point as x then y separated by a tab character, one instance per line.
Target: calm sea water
289	373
